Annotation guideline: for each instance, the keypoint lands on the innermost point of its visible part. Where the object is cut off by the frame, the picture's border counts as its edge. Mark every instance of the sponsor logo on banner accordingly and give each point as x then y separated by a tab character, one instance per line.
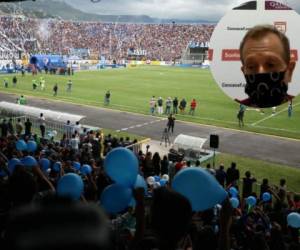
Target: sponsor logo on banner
294	55
251	5
281	26
272	5
210	54
238	28
230	55
45	60
233	85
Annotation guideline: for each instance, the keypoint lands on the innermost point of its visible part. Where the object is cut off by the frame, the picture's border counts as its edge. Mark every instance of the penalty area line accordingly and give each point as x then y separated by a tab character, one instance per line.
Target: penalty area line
272	115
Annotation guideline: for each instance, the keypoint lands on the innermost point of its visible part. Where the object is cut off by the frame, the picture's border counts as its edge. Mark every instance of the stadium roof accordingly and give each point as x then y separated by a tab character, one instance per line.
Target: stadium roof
18	110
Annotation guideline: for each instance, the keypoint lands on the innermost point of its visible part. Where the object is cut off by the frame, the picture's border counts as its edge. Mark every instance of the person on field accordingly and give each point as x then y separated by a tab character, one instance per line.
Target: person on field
69	86
34	84
107	98
175	105
168	105
152	105
5	82
55	90
182	105
193	106
42	83
240	115
14	81
160	109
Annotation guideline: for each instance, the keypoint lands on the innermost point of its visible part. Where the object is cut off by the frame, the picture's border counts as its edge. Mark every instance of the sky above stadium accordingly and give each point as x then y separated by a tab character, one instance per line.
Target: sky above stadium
211	10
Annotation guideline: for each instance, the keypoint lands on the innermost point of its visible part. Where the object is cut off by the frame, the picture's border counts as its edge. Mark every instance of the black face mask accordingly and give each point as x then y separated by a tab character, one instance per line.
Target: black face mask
266	89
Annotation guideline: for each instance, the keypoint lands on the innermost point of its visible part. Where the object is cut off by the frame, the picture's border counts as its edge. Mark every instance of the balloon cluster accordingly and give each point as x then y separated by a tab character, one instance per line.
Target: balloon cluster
121	165
27	161
199	187
156	181
30	146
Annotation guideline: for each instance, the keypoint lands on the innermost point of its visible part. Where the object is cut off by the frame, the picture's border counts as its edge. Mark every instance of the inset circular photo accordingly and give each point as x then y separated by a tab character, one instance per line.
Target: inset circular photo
254	54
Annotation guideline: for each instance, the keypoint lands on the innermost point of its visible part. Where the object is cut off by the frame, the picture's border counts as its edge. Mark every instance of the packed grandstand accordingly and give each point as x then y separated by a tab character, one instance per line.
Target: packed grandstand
164	42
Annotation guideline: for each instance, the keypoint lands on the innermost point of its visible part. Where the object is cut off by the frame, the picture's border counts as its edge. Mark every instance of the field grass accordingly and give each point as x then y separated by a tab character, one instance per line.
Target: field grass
262	169
132	89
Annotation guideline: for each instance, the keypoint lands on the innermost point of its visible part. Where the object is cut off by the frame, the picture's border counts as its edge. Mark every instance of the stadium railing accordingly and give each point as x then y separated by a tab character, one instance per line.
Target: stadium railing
136	147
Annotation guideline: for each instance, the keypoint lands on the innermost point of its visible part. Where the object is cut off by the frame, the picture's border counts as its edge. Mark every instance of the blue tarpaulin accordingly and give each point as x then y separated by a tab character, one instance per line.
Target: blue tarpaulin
50	61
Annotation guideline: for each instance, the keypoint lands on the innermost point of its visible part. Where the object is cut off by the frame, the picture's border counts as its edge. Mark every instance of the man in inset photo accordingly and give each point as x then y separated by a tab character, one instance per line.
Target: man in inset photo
267	66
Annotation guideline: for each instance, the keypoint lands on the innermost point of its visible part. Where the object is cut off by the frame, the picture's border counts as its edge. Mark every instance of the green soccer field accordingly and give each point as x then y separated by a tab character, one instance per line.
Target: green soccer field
132	88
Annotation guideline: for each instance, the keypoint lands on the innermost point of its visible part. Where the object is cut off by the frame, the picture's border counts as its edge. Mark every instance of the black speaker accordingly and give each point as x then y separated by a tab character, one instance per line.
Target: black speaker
214	141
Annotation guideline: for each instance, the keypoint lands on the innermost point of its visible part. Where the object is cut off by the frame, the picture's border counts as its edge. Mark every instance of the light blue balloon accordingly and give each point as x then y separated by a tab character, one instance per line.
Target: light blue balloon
251	200
293	220
121	165
56	167
266	196
29	161
115	198
21	145
76	165
233	192
70	186
199	187
31	146
12	164
234	202
45	164
140	182
163	182
86	169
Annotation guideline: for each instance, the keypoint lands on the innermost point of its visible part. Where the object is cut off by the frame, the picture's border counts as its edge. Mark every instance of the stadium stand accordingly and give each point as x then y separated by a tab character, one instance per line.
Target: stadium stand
164	42
161	219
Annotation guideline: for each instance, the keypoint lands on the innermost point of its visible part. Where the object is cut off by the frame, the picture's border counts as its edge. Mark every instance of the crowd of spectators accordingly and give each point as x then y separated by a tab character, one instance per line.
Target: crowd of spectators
160	218
160	41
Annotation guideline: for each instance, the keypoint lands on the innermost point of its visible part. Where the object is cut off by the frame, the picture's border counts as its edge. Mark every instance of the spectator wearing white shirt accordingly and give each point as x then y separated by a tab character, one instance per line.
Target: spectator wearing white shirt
75	143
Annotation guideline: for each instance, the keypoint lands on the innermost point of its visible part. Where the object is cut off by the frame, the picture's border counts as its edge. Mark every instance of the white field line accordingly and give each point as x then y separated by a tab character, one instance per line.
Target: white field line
272	115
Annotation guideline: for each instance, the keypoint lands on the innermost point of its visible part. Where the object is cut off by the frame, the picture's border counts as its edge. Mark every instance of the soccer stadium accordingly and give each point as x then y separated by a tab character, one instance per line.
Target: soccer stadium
120	131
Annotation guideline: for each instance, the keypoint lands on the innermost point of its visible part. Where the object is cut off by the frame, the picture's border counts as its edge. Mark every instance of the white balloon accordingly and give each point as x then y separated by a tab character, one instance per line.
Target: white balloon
150	180
165	177
156	185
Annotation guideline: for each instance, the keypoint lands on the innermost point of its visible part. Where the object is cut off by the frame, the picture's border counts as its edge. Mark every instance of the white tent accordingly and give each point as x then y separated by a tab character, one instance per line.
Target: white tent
57	116
188	142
